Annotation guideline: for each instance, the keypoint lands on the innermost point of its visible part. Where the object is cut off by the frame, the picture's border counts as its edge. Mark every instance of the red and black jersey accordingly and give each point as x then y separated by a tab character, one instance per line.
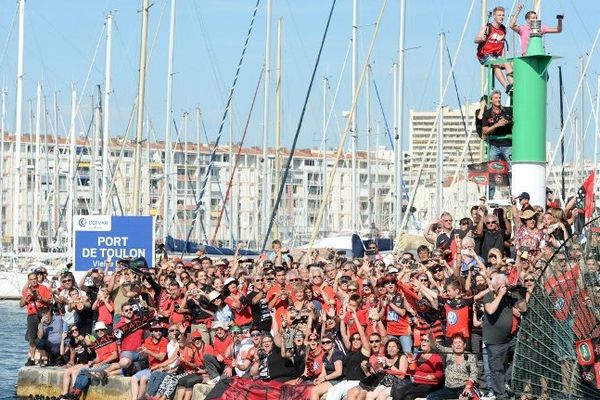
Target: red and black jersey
458	316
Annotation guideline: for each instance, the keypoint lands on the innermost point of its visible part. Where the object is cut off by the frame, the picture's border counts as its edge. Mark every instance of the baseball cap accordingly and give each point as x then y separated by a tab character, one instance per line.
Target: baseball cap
524	195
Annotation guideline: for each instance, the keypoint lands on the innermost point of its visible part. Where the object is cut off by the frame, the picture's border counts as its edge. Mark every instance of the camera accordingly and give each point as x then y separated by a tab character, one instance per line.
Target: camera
559	16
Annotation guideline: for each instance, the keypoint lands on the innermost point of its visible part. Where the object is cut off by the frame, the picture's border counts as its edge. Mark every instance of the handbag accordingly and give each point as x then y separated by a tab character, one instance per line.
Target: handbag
370	382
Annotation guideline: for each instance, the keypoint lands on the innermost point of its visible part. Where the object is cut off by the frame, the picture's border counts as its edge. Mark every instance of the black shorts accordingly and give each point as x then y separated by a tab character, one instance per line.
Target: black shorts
33	322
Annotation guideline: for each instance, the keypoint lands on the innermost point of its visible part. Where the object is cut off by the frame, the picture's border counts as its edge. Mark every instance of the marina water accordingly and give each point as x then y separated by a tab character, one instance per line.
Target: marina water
13	350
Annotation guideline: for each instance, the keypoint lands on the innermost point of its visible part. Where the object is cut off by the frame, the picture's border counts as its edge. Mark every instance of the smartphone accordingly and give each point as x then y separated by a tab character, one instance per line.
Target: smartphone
465	252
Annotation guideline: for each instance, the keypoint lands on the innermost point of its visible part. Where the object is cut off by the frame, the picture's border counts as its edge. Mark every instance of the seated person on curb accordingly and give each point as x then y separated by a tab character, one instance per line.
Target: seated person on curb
219	362
155	348
50	334
130	342
80	355
105	356
525	30
490	40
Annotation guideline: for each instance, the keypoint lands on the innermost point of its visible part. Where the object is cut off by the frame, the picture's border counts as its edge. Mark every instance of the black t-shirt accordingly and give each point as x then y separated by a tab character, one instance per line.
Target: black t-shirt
328	362
491	240
497	326
490	117
275	367
82	355
352	368
261	314
197	310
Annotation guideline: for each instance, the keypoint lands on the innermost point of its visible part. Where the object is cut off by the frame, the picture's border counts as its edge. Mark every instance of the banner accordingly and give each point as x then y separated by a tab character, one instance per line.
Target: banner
125	330
254	389
494	172
98	238
585	352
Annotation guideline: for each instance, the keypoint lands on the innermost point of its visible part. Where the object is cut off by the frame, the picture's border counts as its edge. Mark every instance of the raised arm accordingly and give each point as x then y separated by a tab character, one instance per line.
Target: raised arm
512	22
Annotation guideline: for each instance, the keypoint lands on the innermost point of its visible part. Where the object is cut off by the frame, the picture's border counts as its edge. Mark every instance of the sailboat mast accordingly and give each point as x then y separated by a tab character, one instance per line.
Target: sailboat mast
18	130
2	131
265	159
353	123
597	131
581	132
399	161
105	132
169	120
229	204
369	182
137	167
324	141
36	176
278	116
198	174
71	199
439	187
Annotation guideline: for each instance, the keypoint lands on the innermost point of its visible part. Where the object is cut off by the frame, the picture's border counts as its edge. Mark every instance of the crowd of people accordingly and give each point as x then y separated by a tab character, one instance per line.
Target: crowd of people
439	322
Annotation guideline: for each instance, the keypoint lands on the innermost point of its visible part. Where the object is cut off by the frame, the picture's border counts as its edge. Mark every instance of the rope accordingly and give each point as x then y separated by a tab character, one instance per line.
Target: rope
340	149
237	158
293	149
385	122
223	119
462	117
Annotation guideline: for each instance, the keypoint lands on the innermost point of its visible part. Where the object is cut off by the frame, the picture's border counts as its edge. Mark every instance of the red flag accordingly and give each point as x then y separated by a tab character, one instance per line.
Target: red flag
585	195
597	374
585	352
252	389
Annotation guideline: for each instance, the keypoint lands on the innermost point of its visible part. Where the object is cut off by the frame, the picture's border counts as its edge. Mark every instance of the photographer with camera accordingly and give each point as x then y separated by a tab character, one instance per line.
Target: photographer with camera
34	297
497	127
498	336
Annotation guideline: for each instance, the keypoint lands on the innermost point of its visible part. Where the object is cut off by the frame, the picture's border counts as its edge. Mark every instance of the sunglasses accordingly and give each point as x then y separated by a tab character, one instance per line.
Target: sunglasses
67	280
313	339
127	309
174	330
326	342
423	280
293	280
74	330
390	282
259	280
156	330
529	280
490	222
374	341
356	338
464	223
255	334
317	276
352	289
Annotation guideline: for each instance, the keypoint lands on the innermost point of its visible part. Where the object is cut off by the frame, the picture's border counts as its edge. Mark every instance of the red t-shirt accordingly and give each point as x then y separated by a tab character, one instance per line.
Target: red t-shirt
42	292
221	345
195	356
281	306
104	315
494	43
432	366
103	353
396	324
243	316
132	341
362	316
160	348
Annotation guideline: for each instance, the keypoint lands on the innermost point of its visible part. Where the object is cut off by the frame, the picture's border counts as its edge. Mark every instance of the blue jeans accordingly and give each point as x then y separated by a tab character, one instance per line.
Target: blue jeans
445	393
499	153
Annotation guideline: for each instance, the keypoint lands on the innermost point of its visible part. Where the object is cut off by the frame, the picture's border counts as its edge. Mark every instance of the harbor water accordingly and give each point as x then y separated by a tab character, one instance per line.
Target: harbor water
13	350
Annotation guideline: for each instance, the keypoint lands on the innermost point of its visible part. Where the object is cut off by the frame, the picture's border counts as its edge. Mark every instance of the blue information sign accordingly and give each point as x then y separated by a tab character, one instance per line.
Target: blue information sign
99	238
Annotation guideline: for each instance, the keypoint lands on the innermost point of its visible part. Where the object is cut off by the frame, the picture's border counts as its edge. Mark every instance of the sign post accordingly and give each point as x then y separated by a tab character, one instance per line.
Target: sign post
98	238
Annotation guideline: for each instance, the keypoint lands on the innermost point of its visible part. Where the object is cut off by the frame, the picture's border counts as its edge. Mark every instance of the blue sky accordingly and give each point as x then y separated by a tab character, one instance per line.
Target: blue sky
62	37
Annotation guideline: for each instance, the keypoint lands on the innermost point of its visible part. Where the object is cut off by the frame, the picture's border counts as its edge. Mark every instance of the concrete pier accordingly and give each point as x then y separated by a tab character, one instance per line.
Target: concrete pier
47	382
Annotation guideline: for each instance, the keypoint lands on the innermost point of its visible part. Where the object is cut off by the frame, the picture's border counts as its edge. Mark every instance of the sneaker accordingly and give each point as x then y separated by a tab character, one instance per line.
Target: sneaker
213	381
30	362
489	396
